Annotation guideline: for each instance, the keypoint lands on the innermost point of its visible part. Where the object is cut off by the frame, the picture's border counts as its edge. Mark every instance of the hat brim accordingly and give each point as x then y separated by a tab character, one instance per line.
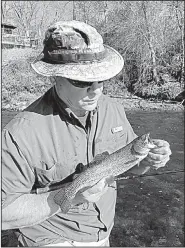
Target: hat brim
94	71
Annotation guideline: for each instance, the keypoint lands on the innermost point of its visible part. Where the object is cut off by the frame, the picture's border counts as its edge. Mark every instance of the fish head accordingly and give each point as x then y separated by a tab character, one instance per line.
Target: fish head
146	141
143	144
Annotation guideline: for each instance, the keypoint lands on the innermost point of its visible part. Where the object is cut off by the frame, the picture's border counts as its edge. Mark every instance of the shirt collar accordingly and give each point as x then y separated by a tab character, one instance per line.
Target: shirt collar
64	109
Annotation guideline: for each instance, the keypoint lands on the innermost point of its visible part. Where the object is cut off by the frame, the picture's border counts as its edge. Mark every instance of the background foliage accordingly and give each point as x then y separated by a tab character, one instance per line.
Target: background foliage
148	34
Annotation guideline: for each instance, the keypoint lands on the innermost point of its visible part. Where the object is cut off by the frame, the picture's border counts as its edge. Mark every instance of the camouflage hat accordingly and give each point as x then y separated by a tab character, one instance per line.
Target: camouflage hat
75	50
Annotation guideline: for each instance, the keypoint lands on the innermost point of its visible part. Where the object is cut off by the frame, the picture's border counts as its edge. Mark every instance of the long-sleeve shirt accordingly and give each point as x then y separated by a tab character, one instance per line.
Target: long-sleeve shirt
44	144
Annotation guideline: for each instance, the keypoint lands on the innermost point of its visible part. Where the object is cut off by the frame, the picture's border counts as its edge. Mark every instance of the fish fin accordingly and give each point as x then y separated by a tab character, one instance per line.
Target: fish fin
79	168
75	176
131	161
66	206
101	156
97	187
62	199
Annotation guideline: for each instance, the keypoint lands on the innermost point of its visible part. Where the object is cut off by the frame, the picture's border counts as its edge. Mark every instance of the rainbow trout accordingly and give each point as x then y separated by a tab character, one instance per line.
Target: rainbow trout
105	166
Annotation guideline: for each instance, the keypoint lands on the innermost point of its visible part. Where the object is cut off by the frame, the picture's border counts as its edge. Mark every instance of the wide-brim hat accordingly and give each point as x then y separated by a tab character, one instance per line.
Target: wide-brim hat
75	50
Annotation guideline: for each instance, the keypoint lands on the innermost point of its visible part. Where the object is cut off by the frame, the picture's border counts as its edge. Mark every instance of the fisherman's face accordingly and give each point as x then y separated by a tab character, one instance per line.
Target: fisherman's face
79	95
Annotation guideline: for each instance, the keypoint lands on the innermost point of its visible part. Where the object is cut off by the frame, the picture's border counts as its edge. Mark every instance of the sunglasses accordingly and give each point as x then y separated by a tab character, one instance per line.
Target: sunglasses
81	84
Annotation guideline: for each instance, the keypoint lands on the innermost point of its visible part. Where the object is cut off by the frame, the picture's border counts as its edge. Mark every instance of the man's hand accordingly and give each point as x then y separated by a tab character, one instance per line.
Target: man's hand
91	194
157	157
160	155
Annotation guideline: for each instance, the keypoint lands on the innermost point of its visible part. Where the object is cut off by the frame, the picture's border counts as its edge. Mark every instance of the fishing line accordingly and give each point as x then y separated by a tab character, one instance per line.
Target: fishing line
148	175
58	185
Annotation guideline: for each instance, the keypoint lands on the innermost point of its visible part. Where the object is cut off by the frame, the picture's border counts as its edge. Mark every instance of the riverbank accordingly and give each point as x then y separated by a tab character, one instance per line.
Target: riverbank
140	104
130	103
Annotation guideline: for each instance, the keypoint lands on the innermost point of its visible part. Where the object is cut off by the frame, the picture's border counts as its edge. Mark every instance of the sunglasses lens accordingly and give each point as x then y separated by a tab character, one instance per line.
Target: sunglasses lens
80	84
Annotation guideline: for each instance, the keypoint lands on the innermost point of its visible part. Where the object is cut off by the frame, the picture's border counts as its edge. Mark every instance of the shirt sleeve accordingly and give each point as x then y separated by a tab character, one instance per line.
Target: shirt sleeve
17	175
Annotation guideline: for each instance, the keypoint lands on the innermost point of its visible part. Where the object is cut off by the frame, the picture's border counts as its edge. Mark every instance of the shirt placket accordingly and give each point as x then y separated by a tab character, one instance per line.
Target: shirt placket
92	123
92	128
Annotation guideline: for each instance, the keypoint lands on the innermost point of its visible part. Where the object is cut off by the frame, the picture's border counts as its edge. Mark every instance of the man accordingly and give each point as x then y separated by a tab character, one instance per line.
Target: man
61	132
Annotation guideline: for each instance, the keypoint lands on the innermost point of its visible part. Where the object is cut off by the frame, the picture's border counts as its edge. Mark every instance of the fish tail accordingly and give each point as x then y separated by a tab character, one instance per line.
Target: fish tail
63	200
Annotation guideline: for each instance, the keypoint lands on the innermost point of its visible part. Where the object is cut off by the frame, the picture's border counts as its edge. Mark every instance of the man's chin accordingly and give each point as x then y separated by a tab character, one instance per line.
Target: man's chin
90	107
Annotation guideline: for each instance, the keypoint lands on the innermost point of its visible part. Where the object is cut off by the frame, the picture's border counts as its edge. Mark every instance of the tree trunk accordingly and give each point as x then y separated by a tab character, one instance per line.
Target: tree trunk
180	25
74	11
183	72
154	64
152	52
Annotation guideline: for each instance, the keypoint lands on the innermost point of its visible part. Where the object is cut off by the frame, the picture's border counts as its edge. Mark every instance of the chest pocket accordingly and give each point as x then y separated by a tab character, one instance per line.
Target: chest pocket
47	173
112	142
44	177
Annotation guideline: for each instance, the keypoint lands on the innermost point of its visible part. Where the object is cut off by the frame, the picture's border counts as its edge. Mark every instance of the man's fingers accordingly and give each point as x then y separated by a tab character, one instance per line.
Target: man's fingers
152	161
157	157
157	166
160	143
161	150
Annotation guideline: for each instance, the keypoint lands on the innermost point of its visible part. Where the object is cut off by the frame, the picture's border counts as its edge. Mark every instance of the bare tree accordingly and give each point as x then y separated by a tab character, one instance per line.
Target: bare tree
5	10
148	38
25	12
179	13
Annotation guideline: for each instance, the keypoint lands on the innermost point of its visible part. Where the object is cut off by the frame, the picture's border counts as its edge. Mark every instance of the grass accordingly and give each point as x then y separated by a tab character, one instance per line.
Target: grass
20	84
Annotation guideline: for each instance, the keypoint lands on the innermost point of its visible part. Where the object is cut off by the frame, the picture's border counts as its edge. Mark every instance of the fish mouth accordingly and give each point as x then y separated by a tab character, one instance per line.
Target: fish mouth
151	144
143	146
149	141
